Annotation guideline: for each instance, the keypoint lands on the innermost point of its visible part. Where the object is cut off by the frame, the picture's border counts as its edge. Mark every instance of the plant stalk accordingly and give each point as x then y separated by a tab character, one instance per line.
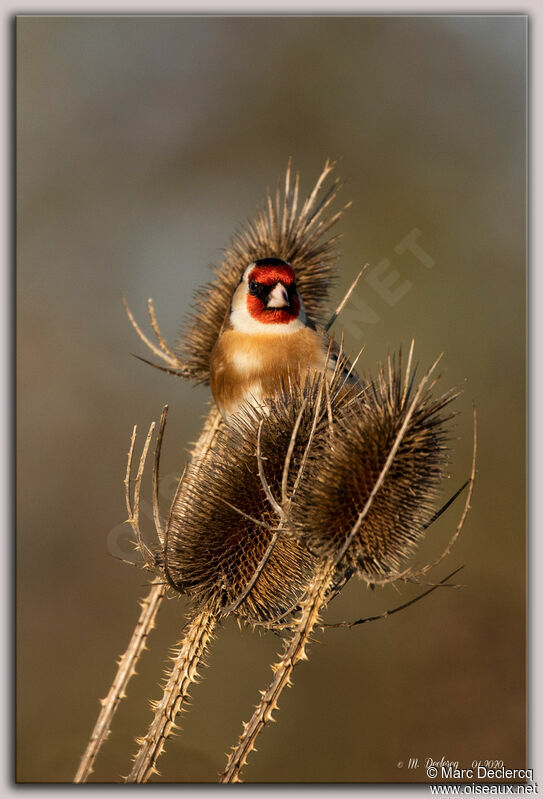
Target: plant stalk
144	625
182	675
294	652
127	667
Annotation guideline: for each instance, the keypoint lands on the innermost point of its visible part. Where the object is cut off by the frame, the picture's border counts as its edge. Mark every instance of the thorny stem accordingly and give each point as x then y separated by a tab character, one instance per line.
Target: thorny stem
150	606
134	506
127	663
188	656
293	653
156	474
182	675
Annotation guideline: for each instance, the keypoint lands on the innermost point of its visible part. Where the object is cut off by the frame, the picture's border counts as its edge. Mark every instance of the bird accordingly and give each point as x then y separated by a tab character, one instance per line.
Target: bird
268	340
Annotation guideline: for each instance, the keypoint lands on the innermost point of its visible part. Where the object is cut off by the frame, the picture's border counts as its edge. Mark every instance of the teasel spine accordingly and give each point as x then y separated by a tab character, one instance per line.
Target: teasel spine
183	674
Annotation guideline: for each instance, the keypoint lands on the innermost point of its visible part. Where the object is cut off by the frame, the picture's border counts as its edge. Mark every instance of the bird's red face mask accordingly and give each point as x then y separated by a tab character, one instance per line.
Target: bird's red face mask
272	297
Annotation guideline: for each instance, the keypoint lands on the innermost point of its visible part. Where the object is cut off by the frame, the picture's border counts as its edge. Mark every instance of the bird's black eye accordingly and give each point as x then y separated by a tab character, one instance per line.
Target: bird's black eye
258	290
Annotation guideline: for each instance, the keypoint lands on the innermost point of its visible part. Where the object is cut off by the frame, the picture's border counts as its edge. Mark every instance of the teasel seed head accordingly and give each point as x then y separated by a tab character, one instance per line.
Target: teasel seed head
222	520
342	474
296	232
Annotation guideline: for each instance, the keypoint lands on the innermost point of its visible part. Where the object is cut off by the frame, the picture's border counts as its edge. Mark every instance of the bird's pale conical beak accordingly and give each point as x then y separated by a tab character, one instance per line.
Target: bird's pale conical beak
278	297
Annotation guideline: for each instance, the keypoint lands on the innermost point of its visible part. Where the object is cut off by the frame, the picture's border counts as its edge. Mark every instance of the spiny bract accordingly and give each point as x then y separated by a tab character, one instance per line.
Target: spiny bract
342	474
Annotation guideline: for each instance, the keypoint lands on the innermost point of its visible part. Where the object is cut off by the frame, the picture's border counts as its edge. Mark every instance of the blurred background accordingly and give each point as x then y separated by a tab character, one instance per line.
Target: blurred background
142	142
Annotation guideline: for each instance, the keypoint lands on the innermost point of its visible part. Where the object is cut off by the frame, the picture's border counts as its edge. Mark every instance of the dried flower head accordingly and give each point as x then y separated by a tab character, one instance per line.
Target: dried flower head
230	507
284	229
342	474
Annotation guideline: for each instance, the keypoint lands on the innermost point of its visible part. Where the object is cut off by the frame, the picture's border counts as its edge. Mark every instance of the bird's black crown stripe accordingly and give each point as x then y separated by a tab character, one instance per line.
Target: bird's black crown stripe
271	262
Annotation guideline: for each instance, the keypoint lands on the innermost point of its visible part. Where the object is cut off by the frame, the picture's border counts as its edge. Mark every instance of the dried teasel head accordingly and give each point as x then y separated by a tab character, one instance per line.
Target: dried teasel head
296	232
341	476
230	508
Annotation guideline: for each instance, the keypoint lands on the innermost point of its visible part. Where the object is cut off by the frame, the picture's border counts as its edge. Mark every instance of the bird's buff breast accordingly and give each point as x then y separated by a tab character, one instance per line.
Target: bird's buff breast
253	367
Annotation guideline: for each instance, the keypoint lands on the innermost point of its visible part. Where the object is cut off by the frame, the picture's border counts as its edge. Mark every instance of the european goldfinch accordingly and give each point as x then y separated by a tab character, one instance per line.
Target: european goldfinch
267	340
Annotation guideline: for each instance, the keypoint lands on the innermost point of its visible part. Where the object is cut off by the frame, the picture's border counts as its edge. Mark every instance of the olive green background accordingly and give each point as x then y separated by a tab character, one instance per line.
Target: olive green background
141	144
